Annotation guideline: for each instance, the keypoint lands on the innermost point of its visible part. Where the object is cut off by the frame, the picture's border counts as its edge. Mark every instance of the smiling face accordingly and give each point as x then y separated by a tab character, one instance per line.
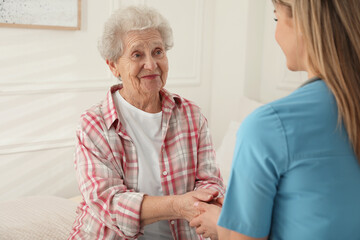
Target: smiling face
289	39
143	67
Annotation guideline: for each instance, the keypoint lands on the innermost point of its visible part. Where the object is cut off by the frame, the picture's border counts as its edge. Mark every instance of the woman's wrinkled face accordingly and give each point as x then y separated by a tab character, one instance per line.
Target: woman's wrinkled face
289	38
143	67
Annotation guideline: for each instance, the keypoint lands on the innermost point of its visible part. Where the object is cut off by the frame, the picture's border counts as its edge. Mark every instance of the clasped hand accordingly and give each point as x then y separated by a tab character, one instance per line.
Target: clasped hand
202	209
205	223
185	204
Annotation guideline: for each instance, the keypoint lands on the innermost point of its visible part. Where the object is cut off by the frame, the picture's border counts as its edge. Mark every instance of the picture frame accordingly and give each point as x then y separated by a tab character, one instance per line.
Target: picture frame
41	14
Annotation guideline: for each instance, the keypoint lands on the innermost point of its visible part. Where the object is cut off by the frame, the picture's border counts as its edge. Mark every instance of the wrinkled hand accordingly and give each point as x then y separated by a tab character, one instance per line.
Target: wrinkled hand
206	222
217	201
184	204
220	201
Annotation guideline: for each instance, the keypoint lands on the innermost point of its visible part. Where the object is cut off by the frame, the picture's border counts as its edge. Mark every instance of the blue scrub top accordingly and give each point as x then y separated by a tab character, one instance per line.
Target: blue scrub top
294	173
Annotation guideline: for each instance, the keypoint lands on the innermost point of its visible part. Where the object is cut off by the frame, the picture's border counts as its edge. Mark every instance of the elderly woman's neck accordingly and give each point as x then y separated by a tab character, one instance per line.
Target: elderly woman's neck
150	103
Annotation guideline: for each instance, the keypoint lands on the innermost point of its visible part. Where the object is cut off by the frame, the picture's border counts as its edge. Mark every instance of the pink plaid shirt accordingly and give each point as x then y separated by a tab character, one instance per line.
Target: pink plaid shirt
107	168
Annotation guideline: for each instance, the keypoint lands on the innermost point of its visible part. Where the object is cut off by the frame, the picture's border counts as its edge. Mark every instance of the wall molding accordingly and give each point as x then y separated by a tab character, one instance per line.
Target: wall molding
194	78
6	149
99	85
54	87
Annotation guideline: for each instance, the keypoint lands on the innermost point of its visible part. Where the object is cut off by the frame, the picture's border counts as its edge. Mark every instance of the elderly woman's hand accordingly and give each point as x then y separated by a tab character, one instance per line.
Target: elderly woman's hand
184	205
206	222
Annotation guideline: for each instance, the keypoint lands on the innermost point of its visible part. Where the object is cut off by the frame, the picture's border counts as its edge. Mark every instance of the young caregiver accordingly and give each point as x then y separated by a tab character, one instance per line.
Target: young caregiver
296	169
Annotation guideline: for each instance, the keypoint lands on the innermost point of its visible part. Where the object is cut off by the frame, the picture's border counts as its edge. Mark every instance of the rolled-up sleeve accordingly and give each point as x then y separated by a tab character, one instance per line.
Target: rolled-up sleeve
102	184
208	173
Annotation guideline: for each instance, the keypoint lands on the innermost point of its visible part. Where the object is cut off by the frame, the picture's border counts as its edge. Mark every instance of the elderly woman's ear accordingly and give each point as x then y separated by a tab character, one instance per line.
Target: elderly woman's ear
113	68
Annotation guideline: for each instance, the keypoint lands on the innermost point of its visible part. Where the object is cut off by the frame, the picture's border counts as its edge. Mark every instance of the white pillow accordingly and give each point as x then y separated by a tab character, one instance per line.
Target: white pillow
37	218
224	153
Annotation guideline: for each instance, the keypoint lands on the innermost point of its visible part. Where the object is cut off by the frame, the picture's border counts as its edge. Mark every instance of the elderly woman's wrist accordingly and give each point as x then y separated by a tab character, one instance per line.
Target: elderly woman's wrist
176	206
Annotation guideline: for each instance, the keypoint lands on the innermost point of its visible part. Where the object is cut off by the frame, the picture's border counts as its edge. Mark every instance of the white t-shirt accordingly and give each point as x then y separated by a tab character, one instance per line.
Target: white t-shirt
145	130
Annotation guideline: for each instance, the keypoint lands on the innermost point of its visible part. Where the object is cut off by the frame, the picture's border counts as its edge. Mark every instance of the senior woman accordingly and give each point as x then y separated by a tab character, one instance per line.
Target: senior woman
144	155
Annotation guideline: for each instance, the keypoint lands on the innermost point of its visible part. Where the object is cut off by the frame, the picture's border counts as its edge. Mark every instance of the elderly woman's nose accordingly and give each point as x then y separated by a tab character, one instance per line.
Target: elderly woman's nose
150	63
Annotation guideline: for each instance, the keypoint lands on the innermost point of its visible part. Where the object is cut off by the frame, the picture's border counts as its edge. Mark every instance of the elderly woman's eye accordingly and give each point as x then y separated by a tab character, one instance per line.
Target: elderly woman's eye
136	55
158	52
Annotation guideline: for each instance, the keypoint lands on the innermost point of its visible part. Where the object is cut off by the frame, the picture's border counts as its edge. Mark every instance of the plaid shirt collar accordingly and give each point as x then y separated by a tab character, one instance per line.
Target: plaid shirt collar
110	115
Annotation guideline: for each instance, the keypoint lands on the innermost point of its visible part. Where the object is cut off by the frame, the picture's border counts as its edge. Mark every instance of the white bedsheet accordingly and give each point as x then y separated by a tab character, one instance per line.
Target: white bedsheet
37	218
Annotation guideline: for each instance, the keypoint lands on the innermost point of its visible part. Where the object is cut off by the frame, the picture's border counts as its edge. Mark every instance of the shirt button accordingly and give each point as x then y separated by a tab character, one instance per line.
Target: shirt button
165	173
172	222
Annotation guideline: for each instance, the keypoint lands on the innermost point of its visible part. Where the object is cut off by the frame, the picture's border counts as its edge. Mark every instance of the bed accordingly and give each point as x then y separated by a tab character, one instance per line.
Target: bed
37	218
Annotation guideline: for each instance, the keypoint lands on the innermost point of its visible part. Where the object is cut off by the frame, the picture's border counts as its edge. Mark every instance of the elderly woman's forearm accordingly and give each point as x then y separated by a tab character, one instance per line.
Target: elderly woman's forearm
157	208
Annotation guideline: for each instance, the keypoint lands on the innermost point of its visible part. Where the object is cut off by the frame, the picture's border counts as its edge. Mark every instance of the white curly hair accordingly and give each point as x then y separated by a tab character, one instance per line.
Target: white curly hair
132	18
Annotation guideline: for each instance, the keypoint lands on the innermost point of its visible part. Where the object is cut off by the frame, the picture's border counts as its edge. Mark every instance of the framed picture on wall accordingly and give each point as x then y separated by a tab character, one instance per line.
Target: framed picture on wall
47	14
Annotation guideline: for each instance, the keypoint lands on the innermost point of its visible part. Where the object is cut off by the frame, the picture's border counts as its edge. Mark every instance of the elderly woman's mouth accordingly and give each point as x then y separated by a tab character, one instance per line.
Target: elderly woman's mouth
150	77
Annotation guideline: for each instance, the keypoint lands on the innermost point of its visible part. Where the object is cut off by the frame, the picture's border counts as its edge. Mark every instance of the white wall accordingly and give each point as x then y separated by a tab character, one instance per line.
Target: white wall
229	64
224	52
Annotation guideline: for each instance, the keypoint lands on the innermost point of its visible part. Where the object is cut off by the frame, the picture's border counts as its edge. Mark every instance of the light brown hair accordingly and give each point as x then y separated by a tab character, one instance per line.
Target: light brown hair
331	31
